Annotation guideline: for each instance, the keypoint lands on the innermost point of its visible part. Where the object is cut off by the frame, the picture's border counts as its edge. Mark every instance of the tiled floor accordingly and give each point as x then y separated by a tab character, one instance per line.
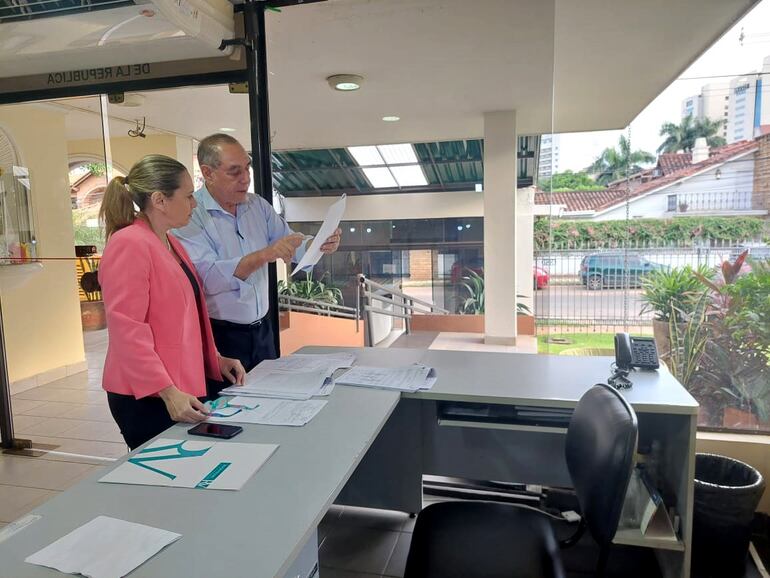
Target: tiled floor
72	431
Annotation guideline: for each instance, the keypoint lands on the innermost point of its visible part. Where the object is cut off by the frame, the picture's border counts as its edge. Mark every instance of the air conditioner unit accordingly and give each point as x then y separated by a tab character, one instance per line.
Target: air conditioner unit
208	20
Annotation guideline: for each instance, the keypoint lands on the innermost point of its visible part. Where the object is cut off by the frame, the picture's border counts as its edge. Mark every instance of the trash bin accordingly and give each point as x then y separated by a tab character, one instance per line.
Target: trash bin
727	492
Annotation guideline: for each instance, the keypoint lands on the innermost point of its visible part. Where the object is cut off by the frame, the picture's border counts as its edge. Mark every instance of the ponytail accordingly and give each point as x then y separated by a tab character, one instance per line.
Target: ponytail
124	194
117	210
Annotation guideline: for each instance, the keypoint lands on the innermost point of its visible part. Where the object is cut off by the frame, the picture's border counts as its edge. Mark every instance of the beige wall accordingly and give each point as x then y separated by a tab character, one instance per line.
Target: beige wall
42	317
127	150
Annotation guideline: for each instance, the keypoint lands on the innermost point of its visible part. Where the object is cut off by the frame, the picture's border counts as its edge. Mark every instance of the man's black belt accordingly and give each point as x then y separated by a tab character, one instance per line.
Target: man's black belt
241	326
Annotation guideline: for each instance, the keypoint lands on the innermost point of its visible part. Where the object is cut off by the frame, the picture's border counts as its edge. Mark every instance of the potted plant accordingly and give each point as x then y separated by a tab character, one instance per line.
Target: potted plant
474	303
92	315
737	352
671	295
311	290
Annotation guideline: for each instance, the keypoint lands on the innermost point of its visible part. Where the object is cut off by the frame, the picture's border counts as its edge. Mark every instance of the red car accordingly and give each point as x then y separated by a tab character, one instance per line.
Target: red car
540	276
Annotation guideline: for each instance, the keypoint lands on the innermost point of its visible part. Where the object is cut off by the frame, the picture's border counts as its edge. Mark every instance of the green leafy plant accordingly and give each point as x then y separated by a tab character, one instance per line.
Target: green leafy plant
688	344
685	231
312	290
474	303
677	291
97	169
735	358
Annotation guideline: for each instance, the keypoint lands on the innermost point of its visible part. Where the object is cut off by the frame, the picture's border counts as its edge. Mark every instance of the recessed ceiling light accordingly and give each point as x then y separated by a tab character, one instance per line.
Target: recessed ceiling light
227	129
391	118
345	82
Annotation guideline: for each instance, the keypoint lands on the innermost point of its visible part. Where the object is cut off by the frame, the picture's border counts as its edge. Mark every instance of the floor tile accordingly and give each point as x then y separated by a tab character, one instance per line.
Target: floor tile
24	422
94	430
50	426
371	518
22	406
48	409
397	562
97	448
365	550
48	393
15	501
41	473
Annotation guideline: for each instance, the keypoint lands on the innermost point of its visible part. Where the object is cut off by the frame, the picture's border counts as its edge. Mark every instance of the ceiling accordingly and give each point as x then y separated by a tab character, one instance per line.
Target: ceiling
440	64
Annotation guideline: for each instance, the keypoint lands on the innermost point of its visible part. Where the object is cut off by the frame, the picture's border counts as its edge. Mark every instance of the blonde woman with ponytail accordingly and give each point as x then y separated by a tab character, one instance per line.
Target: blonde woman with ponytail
161	350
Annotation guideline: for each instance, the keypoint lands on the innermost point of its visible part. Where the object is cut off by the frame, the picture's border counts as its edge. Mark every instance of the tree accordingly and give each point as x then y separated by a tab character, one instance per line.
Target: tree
681	137
616	163
568	181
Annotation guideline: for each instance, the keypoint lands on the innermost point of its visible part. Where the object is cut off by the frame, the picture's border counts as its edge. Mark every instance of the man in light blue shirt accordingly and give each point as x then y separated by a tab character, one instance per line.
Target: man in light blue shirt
231	238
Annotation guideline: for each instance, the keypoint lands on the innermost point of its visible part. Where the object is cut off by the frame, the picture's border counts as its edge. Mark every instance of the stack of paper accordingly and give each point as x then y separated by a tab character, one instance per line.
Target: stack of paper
266	411
297	377
104	548
413	378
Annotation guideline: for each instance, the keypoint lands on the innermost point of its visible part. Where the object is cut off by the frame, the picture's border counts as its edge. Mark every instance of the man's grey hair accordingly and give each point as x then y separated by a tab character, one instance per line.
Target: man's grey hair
210	149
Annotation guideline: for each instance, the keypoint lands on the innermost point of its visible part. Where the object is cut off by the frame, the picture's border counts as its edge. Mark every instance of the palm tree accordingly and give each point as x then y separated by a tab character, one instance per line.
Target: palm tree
616	163
681	137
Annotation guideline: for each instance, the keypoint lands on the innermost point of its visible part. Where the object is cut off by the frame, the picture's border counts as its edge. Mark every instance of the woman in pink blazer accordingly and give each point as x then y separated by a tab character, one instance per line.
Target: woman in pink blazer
161	350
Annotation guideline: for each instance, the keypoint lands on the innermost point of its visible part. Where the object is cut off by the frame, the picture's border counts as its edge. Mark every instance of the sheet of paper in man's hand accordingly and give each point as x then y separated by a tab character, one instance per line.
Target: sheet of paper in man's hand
330	224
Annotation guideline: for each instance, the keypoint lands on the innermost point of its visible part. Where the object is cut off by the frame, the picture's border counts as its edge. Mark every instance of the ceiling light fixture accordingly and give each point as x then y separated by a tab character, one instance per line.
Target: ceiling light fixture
391	118
345	82
227	129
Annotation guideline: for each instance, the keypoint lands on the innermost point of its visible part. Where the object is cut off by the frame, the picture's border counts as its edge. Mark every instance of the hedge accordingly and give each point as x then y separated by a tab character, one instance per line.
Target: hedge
682	231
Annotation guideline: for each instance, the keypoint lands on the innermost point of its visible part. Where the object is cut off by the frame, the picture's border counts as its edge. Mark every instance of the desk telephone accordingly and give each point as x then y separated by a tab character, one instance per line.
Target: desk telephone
635	352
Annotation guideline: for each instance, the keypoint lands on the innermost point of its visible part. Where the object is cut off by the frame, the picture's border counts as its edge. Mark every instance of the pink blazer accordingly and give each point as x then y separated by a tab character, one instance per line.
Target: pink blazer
159	336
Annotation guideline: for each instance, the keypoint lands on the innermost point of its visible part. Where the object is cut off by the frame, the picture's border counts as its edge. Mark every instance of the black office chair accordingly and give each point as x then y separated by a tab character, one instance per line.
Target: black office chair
494	540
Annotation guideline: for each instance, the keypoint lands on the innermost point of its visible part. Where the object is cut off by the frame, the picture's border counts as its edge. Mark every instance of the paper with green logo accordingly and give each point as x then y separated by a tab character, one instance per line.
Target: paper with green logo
192	464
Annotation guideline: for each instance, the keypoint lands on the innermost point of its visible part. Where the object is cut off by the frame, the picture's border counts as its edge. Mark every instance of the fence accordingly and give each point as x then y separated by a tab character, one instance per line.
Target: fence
598	286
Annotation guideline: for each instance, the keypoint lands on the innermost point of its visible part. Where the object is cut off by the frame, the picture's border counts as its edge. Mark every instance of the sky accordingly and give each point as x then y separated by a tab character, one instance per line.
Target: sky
727	58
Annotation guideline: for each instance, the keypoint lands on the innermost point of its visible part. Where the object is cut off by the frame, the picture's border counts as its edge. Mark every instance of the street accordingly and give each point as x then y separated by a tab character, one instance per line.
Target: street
577	302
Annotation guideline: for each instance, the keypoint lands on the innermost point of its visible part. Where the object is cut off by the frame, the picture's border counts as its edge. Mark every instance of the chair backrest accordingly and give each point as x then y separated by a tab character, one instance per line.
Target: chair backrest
600	447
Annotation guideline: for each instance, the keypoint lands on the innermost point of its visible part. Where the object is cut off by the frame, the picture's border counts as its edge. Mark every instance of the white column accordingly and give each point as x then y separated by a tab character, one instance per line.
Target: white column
525	246
500	168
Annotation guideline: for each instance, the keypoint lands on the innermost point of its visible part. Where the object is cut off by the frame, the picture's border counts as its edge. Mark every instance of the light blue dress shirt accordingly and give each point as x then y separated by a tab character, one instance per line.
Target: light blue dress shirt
217	241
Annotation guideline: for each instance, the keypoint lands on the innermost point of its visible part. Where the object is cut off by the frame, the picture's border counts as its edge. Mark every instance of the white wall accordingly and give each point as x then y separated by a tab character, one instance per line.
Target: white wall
394	206
736	177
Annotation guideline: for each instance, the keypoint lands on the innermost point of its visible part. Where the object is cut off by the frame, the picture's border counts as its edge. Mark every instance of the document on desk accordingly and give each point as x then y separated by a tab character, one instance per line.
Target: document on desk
104	548
276	412
331	222
303	362
268	383
412	378
192	464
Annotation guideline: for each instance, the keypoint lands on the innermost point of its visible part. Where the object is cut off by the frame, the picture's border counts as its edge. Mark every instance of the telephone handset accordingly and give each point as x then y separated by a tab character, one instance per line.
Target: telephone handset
635	352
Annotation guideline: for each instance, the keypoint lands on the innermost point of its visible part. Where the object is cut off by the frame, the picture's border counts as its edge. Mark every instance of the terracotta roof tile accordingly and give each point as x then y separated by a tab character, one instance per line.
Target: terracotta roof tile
599	200
670	162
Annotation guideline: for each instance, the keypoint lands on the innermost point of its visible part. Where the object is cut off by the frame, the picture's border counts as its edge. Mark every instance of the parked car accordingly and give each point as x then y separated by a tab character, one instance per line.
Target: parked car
757	251
540	275
601	270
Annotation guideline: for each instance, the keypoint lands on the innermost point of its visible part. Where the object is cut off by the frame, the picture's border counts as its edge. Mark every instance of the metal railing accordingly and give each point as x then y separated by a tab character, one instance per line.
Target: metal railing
607	291
290	303
403	306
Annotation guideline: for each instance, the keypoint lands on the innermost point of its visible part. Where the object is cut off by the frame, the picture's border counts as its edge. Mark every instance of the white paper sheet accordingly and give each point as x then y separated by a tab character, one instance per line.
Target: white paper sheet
412	378
276	412
267	383
331	222
303	362
104	548
192	464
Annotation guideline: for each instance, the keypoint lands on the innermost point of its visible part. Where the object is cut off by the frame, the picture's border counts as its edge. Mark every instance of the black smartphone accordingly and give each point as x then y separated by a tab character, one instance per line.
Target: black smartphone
215	430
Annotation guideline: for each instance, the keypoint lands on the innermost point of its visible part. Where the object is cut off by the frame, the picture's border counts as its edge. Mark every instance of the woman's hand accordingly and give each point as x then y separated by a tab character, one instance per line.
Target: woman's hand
232	370
182	406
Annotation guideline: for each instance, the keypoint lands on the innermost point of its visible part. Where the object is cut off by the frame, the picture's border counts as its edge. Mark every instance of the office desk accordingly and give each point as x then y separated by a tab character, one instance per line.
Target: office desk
370	447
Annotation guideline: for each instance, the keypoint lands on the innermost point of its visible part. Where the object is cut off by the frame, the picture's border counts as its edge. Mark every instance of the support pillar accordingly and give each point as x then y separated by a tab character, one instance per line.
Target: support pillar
500	171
